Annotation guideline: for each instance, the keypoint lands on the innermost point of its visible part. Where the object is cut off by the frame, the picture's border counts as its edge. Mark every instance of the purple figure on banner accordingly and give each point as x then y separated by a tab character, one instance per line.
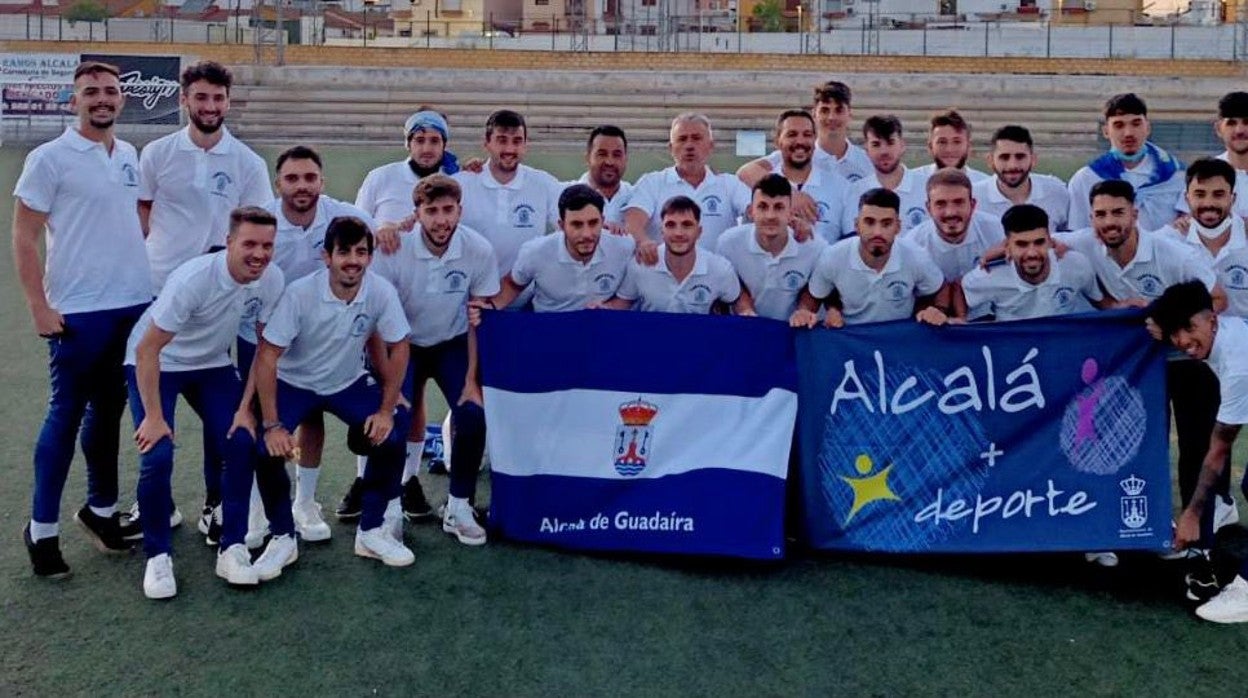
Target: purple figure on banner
1085	432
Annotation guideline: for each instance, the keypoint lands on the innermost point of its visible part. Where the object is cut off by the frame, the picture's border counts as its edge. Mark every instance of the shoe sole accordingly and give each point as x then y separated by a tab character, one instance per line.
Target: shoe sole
473	542
235	583
1241	618
98	542
307	537
363	551
161	596
55	576
349	517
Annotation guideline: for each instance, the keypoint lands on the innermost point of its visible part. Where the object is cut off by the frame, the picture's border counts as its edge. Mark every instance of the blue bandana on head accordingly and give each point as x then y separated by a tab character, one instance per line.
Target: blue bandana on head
427	119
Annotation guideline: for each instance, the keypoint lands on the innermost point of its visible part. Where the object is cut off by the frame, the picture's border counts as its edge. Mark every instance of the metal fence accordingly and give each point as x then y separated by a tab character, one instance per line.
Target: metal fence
647	29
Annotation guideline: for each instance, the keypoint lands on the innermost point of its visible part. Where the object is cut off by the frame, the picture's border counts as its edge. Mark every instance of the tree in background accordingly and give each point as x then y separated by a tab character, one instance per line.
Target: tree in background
85	11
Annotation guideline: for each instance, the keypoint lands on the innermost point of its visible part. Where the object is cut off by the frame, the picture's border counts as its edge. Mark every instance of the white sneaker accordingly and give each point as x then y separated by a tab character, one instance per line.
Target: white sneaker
176	518
158	580
234	566
309	522
1104	559
257	526
378	544
281	551
392	520
1225	513
457	520
1229	606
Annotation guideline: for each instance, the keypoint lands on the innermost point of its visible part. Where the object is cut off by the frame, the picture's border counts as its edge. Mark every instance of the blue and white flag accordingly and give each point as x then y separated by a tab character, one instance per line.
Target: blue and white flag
1014	436
644	432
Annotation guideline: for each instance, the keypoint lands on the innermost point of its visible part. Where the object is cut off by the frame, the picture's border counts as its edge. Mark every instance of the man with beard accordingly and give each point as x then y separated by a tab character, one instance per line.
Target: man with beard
1013	183
189	181
606	155
303	214
509	202
386	192
1155	175
949	143
688	278
835	151
874	277
311	359
1232	128
956	236
80	192
437	274
574	269
820	190
772	265
886	146
721	198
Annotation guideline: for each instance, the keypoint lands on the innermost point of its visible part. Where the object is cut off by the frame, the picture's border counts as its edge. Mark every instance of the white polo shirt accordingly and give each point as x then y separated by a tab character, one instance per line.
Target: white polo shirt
1228	357
324	337
510	214
1241	189
1160	213
775	282
434	290
973	174
386	194
955	260
655	289
1001	292
912	191
831	194
1160	261
722	198
95	255
203	306
1047	192
614	212
871	296
192	193
1230	264
297	250
853	166
561	283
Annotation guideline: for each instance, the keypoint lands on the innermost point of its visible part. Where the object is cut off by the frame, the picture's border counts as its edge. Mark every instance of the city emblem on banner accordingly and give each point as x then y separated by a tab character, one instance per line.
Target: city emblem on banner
633	436
1134	505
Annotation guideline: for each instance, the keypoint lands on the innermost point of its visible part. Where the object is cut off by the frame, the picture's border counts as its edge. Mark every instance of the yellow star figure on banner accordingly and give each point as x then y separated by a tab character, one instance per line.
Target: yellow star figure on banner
868	488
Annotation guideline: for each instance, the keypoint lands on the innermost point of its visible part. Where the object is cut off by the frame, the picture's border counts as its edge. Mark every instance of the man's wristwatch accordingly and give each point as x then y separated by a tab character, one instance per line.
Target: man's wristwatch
270	426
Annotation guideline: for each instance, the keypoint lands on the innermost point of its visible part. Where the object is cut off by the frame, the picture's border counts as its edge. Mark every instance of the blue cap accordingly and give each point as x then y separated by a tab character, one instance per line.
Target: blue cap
426	119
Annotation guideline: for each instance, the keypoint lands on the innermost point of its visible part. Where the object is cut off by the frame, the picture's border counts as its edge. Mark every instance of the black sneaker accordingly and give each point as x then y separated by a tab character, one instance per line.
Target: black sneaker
130	526
415	506
1201	581
351	505
104	531
213	537
45	556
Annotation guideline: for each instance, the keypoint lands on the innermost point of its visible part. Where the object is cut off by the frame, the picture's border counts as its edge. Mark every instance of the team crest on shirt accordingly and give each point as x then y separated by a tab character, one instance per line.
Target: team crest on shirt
701	293
251	309
522	216
711	205
1150	286
129	176
915	216
794	280
897	291
359	326
1236	277
605	283
1064	296
823	209
633	435
221	183
456	281
853	176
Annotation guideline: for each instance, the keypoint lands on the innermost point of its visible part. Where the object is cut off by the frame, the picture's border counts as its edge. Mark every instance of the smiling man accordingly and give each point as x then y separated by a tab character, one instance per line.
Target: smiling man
1012	159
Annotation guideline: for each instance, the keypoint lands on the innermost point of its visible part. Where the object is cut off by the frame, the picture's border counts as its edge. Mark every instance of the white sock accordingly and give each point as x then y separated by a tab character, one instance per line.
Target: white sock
456	503
393	510
39	531
411	466
360	462
104	512
305	484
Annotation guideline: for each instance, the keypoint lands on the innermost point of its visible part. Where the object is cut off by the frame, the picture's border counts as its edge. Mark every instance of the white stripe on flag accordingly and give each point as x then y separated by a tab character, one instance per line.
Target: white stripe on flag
577	432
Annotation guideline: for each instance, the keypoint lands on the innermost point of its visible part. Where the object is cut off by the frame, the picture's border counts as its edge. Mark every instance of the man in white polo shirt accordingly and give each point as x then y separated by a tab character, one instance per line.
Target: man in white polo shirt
311	358
80	192
574	269
956	235
874	277
721	197
886	147
509	202
386	192
181	347
833	115
772	265
1232	128
688	277
821	195
606	155
1155	175
949	144
436	272
1012	159
1215	234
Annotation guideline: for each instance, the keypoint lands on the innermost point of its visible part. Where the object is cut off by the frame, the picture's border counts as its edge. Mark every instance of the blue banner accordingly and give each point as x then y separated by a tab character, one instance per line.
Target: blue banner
1021	436
643	432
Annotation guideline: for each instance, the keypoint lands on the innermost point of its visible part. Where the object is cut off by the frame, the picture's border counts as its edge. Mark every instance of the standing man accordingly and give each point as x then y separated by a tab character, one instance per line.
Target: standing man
311	359
81	192
181	347
386	192
949	144
835	151
606	155
1155	175
1013	182
1232	127
721	198
436	275
886	146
